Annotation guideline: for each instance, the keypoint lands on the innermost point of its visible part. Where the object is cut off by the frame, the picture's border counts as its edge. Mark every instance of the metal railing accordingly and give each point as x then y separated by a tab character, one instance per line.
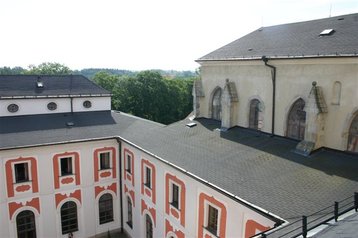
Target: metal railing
300	227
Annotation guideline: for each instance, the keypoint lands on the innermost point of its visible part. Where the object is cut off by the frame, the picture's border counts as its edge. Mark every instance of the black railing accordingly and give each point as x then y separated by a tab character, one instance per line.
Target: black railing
300	227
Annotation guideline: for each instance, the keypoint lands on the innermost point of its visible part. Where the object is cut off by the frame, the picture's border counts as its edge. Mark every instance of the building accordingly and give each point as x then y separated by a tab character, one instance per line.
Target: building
296	80
71	167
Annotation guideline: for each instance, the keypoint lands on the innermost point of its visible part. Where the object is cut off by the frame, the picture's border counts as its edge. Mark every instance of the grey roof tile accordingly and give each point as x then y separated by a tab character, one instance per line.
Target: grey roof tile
300	39
54	85
258	168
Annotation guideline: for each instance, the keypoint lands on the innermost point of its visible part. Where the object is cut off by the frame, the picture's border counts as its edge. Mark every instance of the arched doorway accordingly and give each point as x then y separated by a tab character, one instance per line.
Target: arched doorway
254	114
216	105
353	135
25	224
296	120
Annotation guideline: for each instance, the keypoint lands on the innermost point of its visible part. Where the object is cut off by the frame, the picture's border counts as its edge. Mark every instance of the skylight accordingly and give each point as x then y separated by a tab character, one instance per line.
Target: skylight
326	32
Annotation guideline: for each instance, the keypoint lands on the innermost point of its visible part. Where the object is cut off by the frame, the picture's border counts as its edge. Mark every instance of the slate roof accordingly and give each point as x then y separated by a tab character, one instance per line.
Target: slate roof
54	85
295	40
254	166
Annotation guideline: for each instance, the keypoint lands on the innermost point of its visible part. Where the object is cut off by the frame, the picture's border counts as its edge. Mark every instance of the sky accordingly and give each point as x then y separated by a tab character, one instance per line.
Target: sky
140	34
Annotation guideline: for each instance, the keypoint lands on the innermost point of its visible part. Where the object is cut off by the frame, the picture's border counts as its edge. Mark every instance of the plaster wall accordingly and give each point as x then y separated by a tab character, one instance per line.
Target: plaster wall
27	106
48	219
293	80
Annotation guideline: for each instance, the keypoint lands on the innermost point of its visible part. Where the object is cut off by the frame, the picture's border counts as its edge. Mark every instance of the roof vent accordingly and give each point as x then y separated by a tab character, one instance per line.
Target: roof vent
326	32
340	19
39	83
70	124
191	124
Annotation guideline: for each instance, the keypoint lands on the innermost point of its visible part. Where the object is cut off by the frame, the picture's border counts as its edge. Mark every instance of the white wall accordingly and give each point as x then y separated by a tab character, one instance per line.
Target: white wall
294	79
48	223
27	106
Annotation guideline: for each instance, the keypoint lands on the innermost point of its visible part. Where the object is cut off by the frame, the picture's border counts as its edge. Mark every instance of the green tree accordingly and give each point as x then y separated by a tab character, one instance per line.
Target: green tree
11	71
49	68
150	96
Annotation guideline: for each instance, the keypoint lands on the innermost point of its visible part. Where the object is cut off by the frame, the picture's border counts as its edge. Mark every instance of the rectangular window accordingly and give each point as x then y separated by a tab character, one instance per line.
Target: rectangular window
21	172
129	164
175	196
212	220
105	162
130	215
148	177
66	166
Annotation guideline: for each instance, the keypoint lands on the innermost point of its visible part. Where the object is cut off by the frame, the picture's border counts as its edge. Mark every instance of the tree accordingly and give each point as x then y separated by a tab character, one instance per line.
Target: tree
11	71
49	68
150	96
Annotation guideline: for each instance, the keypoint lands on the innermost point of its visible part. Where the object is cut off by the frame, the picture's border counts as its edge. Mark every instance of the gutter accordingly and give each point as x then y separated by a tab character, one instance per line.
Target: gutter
278	57
273	75
120	181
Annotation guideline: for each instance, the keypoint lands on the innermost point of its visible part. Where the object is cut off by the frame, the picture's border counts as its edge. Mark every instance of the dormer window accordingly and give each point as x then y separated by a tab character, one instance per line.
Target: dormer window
13	108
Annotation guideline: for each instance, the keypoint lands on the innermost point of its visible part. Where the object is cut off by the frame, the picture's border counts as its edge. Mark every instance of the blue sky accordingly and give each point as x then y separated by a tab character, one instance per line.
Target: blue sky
140	34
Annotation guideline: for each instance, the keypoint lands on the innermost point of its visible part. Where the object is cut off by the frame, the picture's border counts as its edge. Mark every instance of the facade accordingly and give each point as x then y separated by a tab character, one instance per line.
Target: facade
71	167
311	66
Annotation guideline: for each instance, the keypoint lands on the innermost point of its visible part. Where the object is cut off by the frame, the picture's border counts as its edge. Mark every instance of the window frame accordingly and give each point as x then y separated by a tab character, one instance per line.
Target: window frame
72	215
26	172
105	209
148	224
66	173
148	177
212	223
129	213
175	195
29	224
129	164
109	162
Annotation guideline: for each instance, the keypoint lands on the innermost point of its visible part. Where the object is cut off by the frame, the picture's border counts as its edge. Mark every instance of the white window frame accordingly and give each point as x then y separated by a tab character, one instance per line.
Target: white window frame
28	171
110	160
206	217
72	166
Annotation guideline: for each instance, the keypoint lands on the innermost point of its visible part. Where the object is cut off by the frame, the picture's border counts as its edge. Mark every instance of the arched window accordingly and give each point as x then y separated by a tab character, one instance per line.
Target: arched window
130	213
336	93
254	114
216	105
69	221
25	224
105	205
353	135
148	227
296	120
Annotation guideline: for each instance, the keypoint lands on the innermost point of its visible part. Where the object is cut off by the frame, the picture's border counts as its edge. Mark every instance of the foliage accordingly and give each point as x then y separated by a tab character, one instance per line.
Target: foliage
11	71
44	69
49	69
149	95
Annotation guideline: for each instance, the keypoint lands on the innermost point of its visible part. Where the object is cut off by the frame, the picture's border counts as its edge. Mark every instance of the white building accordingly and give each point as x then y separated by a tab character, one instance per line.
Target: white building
72	167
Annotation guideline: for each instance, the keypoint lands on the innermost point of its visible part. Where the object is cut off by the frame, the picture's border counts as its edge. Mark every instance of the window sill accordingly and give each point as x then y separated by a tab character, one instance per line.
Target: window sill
147	186
211	231
103	169
66	175
175	206
129	171
23	182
